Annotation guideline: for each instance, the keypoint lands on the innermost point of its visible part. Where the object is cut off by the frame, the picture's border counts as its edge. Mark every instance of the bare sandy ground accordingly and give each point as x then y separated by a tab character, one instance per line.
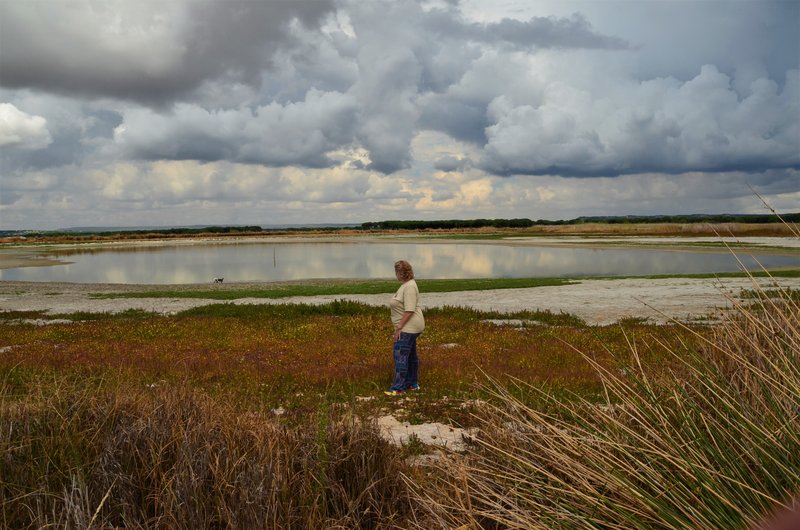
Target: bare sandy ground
596	301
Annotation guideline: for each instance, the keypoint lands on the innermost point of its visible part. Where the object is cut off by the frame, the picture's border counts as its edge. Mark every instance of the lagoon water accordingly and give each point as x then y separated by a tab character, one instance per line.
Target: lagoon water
268	261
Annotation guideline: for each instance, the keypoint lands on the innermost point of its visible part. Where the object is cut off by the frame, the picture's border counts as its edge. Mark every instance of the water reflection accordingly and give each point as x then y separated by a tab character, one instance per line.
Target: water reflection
297	261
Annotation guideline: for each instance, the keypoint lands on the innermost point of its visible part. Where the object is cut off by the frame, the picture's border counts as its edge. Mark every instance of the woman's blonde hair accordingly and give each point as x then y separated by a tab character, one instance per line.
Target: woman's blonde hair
403	268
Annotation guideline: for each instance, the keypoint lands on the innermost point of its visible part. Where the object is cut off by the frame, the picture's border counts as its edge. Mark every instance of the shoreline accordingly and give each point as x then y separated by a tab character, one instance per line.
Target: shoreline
39	255
597	301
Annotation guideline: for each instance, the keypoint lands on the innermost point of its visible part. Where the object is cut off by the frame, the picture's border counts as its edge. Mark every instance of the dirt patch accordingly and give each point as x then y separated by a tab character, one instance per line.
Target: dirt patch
430	433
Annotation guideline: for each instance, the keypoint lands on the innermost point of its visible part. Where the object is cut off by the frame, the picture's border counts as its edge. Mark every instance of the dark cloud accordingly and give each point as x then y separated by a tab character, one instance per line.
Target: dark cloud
537	32
544	32
146	51
204	51
460	120
774	181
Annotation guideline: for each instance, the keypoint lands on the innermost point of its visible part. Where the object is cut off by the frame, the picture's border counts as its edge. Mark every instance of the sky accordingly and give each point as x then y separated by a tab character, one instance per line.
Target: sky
222	112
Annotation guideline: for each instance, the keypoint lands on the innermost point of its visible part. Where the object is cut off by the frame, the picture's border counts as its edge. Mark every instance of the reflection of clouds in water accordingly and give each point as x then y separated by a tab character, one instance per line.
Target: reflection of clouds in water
297	261
475	264
423	261
454	261
323	260
486	261
114	275
549	260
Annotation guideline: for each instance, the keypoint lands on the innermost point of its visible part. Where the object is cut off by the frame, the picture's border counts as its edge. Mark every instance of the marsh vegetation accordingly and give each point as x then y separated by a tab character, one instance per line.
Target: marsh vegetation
264	416
260	416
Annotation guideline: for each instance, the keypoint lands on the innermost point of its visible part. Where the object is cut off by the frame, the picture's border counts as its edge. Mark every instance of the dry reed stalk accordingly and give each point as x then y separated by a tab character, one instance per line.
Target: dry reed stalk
716	447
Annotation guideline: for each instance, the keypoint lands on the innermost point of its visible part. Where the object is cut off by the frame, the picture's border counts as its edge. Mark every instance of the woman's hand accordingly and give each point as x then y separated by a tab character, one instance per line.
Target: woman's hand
403	320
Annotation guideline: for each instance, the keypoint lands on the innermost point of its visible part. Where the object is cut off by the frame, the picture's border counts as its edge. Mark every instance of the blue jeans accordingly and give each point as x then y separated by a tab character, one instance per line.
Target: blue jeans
406	362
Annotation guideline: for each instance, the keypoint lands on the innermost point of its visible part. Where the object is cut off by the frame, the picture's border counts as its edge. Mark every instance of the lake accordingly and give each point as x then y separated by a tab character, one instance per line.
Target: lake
276	261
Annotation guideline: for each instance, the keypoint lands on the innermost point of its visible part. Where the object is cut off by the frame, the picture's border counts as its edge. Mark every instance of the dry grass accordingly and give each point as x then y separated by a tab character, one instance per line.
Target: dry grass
672	229
265	355
81	457
697	427
715	446
165	422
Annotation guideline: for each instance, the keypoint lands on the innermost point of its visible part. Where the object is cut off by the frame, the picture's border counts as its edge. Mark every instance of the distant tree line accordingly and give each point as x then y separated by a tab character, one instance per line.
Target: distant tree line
145	232
627	219
206	230
447	224
693	218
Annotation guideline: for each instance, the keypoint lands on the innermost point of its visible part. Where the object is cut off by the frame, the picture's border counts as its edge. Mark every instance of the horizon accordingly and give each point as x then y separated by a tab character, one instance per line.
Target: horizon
264	226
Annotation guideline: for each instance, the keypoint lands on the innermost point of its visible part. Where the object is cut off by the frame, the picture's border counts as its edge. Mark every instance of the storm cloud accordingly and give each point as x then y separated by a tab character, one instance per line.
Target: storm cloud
417	109
148	51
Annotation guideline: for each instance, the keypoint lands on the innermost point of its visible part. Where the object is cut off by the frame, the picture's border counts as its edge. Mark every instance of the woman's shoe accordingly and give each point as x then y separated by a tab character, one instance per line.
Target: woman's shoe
393	392
415	388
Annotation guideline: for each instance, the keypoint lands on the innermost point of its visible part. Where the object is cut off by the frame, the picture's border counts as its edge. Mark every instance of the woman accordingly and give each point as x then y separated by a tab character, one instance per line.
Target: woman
408	325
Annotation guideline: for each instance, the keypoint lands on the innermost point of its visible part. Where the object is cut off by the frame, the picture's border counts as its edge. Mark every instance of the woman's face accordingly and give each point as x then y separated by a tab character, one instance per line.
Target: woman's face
398	276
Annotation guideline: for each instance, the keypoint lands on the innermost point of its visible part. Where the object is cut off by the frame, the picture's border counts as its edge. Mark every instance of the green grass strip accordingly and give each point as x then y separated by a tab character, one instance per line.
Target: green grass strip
780	273
336	287
318	288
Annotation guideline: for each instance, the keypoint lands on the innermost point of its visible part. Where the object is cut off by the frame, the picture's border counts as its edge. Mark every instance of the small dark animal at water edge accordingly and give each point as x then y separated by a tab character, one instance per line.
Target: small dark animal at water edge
218	280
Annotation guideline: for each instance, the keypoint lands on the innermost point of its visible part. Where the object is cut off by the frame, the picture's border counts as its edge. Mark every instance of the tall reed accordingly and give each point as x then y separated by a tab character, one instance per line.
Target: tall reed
716	445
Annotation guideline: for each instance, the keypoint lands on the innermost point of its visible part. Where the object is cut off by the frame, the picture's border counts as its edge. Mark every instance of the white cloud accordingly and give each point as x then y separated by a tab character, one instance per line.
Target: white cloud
22	130
656	125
